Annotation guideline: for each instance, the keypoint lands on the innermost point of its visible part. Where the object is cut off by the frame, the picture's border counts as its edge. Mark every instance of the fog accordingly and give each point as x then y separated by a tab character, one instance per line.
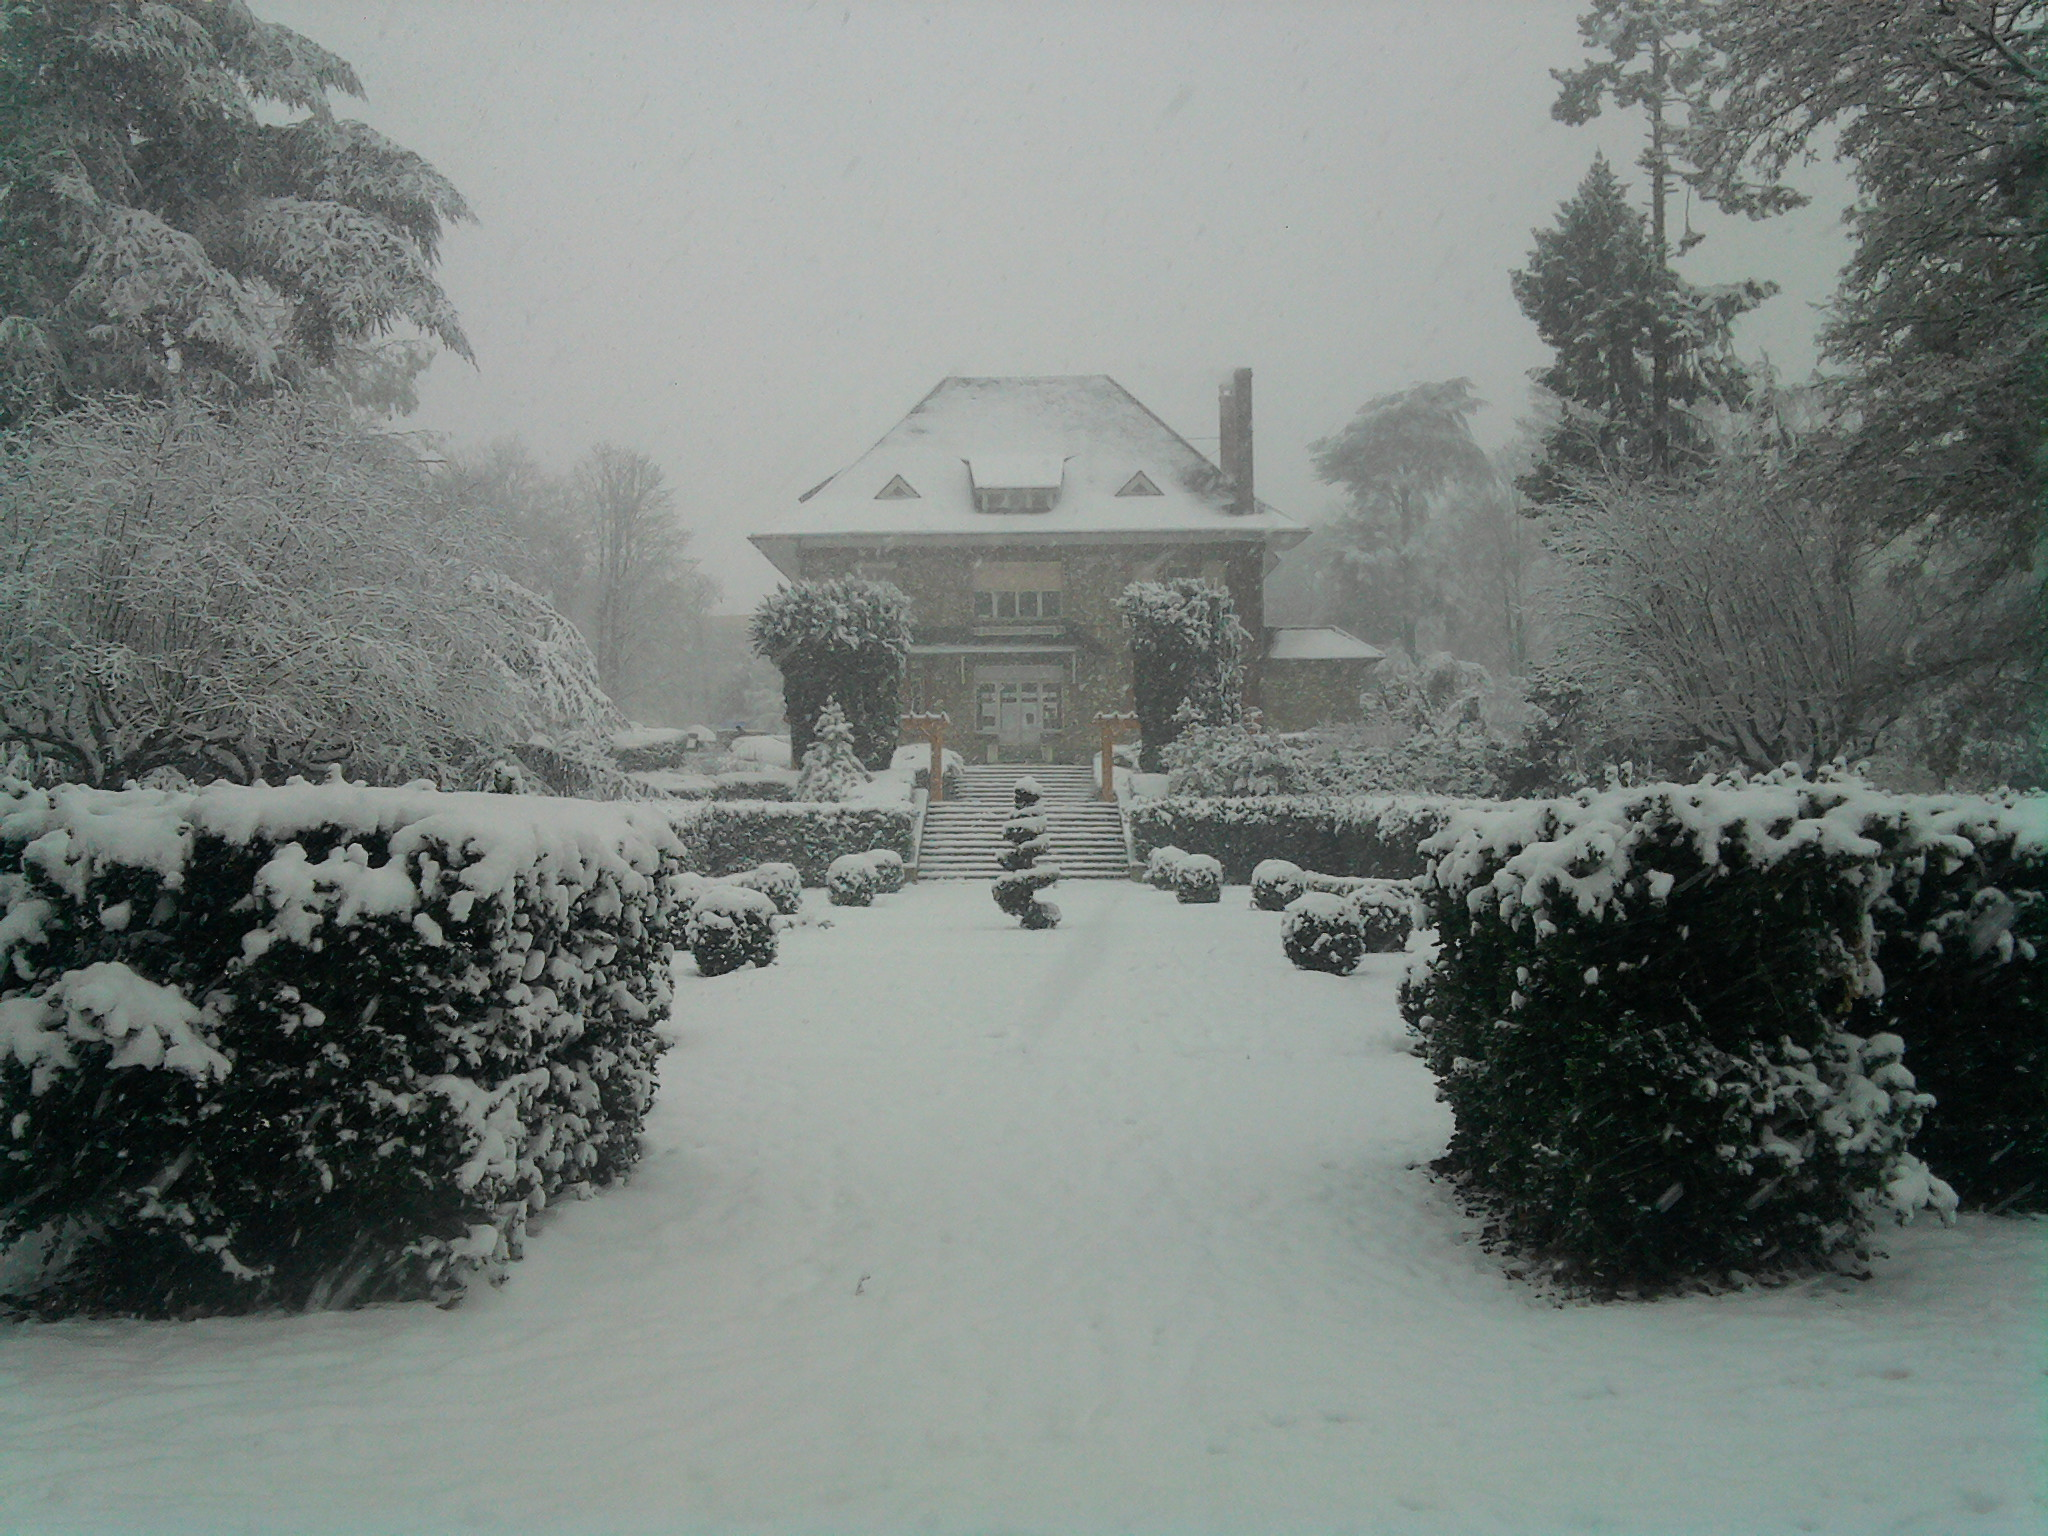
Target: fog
745	239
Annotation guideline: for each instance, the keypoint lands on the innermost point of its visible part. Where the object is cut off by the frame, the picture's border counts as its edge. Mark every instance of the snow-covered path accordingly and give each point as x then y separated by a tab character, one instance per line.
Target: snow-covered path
947	1226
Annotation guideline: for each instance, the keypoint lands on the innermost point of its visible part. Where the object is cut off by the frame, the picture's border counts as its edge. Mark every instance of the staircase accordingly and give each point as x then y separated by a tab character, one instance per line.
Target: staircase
963	835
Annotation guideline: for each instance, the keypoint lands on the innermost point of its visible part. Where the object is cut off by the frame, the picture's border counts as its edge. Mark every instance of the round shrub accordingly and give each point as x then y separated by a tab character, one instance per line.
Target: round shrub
1386	914
851	881
1275	883
1160	865
731	926
1197	879
1321	932
888	867
780	883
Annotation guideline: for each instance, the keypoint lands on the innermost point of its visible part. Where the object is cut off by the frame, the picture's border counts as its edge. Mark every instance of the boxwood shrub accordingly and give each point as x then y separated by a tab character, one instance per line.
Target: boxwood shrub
315	1045
1379	835
1637	1013
731	925
1275	884
780	883
1160	865
1197	879
1321	932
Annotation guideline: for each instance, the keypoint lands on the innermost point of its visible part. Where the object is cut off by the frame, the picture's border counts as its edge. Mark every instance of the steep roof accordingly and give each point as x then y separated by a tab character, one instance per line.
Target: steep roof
1088	422
1318	643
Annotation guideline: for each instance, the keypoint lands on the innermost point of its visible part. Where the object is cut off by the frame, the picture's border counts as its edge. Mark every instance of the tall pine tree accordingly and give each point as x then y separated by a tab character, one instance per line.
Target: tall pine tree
1634	342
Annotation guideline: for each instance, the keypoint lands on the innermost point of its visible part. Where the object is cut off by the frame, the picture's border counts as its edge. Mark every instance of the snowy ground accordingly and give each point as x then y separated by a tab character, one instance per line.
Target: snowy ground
947	1226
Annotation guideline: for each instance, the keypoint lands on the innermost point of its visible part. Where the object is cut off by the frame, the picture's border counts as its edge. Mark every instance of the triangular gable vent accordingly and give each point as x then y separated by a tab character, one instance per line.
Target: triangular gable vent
898	489
1140	484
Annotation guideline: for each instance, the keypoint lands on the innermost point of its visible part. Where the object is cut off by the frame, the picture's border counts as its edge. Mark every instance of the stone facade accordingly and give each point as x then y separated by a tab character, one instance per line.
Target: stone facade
1084	654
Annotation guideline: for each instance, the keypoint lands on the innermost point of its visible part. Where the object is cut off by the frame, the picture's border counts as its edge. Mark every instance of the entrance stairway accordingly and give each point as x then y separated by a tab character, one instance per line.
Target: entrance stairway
963	835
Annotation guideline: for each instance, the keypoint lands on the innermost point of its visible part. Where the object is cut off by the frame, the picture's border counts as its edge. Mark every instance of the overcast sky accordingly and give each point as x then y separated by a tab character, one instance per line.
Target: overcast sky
746	238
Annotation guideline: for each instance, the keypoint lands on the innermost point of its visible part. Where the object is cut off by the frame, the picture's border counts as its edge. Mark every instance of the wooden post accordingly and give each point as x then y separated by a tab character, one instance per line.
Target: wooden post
1112	727
933	729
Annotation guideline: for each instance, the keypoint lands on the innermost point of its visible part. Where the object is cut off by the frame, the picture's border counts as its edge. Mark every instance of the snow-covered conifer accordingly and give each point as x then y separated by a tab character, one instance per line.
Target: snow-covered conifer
830	771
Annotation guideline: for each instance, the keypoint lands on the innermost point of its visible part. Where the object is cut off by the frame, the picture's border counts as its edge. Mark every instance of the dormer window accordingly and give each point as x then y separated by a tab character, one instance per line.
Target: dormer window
1016	482
898	489
1140	484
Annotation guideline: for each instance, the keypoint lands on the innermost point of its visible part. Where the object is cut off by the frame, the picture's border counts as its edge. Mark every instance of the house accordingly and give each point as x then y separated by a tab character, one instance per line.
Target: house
1013	511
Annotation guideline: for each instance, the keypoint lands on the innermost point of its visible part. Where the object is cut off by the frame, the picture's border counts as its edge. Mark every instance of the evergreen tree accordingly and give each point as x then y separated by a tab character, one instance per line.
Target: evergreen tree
1397	458
157	232
1187	659
1632	340
830	770
844	639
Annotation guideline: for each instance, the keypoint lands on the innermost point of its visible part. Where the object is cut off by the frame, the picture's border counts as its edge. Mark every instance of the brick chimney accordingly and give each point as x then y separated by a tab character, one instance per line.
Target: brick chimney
1236	430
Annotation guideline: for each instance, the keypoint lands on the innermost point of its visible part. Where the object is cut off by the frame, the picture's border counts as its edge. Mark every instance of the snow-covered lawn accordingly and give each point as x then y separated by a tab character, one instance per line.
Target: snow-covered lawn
948	1226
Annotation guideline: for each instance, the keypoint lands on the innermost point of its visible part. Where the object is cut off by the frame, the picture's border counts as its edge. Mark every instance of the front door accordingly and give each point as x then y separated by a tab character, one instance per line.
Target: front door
1021	712
1020	717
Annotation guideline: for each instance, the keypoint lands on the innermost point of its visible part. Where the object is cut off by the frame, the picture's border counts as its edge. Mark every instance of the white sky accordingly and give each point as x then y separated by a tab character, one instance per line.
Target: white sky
746	238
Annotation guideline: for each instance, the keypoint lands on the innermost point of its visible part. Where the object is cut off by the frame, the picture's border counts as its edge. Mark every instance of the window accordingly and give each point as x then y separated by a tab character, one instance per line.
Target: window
1019	591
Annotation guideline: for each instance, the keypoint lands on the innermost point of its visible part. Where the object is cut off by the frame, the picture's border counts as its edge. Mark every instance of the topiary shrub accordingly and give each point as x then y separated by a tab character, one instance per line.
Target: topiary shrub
1016	889
1197	879
851	881
1160	865
1275	883
316	1045
731	926
1321	932
888	867
780	883
1386	914
1635	1012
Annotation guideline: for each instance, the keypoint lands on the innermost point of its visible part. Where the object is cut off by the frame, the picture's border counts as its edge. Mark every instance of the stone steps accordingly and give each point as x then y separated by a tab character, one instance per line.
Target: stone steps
963	836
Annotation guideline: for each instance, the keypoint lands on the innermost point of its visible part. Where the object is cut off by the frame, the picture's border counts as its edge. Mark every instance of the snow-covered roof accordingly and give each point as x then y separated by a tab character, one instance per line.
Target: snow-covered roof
1320	643
1017	471
1083	433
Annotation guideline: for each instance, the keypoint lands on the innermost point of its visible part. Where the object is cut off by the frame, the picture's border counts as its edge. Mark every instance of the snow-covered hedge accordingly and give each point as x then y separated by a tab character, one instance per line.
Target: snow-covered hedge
1962	941
1378	836
1160	864
316	1044
1386	910
730	925
723	839
888	867
1197	880
1637	1013
852	881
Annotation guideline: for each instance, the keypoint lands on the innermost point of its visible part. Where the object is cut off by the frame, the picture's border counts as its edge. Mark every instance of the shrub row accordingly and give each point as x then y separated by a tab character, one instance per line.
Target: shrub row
1379	836
1660	1022
723	839
315	1045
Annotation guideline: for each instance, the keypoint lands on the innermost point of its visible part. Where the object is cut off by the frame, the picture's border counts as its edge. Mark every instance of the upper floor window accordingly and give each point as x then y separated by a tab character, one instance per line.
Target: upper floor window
1019	591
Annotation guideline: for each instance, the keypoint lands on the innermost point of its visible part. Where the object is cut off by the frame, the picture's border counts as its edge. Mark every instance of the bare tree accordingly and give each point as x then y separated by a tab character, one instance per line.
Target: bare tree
644	594
1737	613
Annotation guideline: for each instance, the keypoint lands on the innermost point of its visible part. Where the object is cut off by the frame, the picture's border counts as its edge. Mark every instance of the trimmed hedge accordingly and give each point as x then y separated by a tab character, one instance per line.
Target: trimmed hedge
1160	865
1962	939
723	839
1378	836
1275	884
1637	1016
316	1045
